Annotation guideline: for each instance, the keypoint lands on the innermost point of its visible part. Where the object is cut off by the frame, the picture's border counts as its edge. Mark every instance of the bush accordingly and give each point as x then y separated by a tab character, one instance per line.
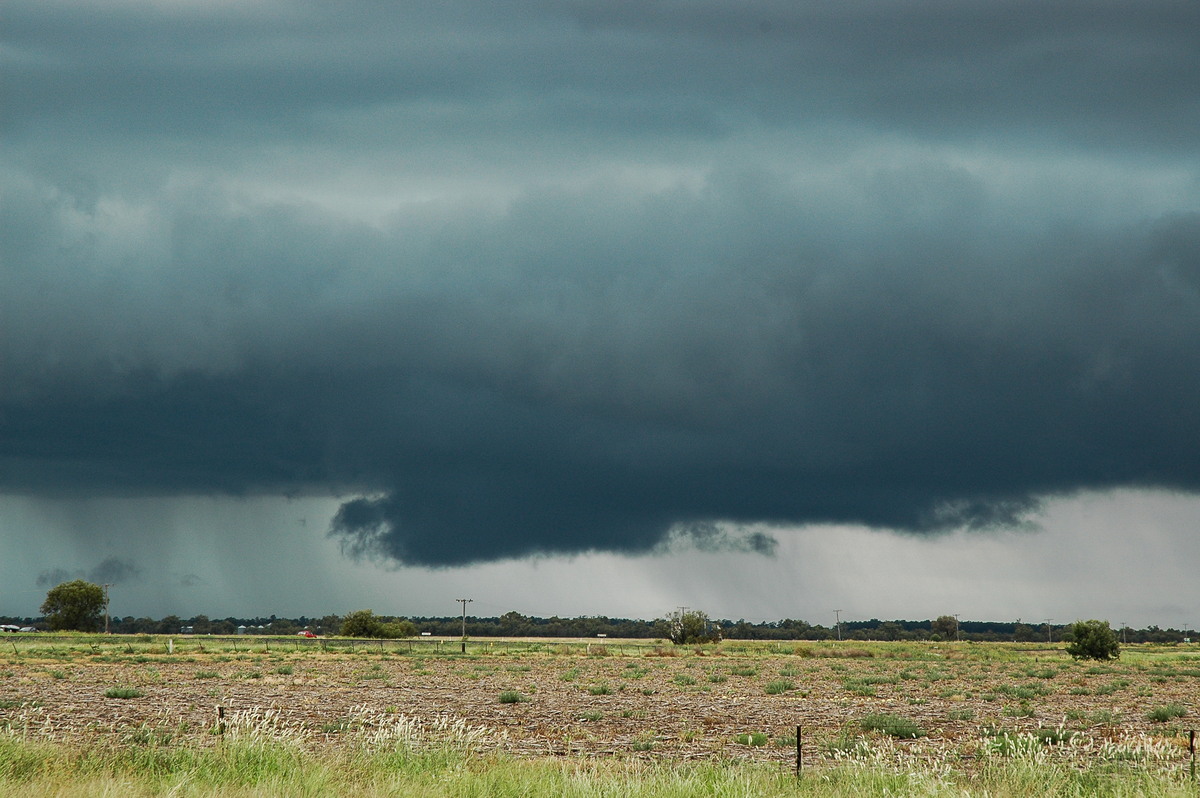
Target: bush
689	628
122	692
512	697
365	623
1093	640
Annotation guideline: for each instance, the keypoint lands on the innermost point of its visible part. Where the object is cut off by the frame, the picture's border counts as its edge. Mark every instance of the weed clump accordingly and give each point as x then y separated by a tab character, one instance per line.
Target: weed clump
893	725
1165	713
752	739
512	697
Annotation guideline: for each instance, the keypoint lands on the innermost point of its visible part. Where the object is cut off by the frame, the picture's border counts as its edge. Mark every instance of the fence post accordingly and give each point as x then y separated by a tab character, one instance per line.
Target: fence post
799	752
221	721
1192	752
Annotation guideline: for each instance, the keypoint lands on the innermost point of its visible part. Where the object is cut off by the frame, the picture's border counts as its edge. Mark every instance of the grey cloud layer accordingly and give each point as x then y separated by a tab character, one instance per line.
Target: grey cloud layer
914	270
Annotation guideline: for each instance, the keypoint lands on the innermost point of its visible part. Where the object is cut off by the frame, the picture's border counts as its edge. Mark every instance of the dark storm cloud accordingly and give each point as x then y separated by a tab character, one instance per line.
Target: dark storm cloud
112	570
56	576
826	319
115	571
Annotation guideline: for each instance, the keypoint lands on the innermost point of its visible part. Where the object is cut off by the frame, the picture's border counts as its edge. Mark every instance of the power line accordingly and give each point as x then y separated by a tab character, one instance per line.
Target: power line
106	587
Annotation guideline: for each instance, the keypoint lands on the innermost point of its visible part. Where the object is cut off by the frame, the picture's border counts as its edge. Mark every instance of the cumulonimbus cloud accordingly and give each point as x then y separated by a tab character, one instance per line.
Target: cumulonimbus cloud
739	280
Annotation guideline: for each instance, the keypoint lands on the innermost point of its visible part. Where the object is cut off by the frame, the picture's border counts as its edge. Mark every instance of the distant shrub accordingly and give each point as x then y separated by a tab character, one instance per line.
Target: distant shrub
512	697
122	692
779	686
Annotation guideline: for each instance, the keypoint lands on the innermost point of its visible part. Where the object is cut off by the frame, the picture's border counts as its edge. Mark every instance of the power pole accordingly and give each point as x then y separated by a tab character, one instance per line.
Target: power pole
837	614
106	587
1124	637
464	603
1049	637
957	631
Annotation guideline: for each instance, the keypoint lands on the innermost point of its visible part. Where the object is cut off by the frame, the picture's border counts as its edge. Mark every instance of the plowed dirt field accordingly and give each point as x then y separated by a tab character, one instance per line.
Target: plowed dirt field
674	703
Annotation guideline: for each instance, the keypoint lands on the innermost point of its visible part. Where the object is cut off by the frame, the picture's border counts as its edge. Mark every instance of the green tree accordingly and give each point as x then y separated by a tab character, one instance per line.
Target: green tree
946	626
75	605
362	623
399	628
513	624
690	627
330	625
1093	640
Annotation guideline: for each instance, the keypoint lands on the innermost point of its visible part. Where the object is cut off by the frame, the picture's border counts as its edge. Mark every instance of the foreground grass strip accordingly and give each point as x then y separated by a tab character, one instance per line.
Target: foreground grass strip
30	769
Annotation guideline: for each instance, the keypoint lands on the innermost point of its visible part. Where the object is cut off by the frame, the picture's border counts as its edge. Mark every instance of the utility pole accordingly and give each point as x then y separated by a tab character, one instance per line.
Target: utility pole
1124	637
957	632
106	587
464	603
837	614
1049	637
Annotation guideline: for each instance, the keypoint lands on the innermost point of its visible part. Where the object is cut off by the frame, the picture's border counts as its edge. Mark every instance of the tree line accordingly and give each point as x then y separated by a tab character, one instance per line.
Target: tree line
80	605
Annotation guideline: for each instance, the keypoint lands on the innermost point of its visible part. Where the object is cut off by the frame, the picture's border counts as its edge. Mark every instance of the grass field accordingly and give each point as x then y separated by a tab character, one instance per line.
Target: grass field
202	716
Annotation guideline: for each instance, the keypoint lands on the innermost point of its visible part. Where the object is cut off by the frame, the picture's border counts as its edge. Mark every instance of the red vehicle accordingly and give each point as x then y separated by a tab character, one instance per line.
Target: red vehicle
306	633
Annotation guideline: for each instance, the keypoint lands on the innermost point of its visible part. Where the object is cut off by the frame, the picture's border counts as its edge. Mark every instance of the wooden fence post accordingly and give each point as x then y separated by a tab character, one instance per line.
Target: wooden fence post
1192	752
799	752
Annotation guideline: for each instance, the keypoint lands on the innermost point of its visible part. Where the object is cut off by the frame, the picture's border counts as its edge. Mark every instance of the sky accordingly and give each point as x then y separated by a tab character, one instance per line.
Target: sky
602	308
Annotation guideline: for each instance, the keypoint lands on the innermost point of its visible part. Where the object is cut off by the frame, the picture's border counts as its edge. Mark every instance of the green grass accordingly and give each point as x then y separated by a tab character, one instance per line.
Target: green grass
122	692
778	686
1166	713
893	725
512	697
752	739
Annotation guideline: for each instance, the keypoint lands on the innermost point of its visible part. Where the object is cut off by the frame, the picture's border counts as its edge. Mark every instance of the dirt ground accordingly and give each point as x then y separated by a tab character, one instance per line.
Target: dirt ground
691	705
